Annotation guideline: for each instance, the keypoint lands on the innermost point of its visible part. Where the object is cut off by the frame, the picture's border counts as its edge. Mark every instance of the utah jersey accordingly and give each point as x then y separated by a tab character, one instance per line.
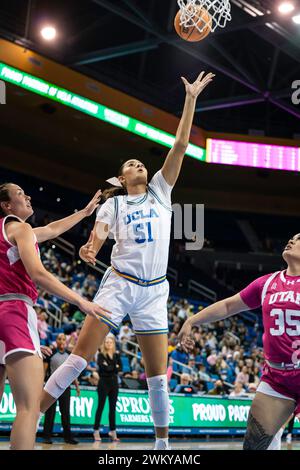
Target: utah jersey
279	296
141	227
14	278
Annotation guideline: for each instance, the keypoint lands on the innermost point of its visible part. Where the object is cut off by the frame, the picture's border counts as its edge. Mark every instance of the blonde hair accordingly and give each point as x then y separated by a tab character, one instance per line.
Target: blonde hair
103	349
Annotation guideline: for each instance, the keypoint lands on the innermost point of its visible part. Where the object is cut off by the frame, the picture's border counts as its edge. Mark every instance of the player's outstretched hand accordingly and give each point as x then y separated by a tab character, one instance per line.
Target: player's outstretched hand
185	337
194	89
90	308
93	204
87	253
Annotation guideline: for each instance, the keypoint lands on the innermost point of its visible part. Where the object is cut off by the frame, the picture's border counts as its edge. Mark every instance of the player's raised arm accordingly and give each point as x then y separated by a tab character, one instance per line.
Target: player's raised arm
172	165
55	229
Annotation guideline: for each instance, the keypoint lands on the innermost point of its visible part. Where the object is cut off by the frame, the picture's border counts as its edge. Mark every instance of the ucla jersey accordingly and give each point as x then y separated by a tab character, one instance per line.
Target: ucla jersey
141	227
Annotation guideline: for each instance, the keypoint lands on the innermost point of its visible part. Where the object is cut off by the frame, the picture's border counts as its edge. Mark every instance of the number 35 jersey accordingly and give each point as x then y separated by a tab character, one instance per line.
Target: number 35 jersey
140	226
279	296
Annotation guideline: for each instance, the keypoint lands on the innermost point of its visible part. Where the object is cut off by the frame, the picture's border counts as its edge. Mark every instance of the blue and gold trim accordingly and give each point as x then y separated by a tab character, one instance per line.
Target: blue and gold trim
138	281
108	321
151	191
164	331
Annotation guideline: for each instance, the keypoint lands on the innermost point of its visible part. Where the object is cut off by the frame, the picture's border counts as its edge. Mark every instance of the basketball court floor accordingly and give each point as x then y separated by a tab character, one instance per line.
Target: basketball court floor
130	444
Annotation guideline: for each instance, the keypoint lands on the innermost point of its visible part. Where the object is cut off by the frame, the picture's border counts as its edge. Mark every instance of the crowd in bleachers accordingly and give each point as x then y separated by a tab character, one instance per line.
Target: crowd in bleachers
226	359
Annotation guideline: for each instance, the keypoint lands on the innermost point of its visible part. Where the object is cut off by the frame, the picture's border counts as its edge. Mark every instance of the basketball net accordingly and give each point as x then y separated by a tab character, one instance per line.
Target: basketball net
218	10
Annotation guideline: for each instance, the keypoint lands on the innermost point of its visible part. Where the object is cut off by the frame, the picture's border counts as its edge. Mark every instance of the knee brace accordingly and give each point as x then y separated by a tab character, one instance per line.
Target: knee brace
65	375
159	400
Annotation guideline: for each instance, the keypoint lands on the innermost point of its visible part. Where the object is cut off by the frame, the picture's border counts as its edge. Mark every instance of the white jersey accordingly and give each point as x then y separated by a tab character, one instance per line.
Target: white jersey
141	227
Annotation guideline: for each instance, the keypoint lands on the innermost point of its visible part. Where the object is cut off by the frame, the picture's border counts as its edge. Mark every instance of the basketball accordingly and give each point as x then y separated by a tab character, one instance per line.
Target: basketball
190	33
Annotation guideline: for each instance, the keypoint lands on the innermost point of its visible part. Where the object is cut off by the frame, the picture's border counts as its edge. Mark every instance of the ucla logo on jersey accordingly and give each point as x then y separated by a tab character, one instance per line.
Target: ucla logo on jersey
139	215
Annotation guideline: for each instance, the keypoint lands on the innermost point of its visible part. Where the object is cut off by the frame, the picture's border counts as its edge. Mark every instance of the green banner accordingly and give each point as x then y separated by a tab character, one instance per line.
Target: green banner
133	410
97	110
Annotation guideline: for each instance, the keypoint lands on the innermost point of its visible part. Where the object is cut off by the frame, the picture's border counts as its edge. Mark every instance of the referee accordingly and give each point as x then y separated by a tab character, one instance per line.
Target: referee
60	354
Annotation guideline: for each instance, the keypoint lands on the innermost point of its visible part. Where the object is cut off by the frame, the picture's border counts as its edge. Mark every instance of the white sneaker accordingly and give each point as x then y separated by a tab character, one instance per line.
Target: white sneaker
160	444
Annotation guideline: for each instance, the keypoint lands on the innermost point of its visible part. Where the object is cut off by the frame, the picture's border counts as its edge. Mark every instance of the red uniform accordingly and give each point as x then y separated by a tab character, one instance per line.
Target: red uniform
279	296
18	293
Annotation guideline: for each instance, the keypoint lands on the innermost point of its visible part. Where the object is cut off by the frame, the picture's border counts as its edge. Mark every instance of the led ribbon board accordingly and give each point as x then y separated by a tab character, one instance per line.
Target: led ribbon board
251	154
97	110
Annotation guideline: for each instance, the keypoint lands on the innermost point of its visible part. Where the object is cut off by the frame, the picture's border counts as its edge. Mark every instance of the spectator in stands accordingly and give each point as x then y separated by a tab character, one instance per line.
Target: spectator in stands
222	368
137	364
218	389
212	362
211	340
109	364
72	340
184	309
76	287
177	326
42	325
90	282
78	316
243	377
191	368
238	390
180	356
132	375
125	334
185	385
90	374
172	342
254	375
142	375
239	366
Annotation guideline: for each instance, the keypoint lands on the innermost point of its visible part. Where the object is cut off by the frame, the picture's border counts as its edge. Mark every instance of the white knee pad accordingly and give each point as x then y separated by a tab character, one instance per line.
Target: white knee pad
65	375
159	400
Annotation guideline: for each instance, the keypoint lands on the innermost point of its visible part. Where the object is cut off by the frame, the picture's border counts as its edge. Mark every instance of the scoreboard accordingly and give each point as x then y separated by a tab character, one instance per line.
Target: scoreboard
251	154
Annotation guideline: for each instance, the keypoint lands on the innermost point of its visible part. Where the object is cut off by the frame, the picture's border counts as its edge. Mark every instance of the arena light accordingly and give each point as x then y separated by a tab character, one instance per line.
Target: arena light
296	19
48	33
286	7
252	154
97	110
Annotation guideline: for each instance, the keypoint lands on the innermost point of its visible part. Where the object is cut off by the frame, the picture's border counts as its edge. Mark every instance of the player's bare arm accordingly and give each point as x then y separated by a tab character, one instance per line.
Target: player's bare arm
57	228
98	235
173	163
218	311
23	236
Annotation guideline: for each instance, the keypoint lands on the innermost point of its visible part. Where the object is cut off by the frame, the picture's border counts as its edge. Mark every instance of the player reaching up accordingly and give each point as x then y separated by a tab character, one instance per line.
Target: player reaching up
278	394
138	214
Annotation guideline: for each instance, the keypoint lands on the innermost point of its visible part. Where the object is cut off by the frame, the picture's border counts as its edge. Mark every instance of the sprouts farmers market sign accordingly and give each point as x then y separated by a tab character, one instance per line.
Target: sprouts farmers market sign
188	414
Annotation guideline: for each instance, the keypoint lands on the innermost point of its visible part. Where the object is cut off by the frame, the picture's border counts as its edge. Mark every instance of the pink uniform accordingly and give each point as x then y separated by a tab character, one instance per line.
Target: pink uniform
279	296
18	293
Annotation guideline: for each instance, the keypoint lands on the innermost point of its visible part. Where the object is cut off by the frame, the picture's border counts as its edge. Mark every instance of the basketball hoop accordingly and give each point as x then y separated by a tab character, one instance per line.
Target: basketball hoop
218	14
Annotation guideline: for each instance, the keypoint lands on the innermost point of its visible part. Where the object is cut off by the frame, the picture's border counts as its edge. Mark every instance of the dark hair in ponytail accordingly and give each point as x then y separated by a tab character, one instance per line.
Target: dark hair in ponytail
112	192
4	196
